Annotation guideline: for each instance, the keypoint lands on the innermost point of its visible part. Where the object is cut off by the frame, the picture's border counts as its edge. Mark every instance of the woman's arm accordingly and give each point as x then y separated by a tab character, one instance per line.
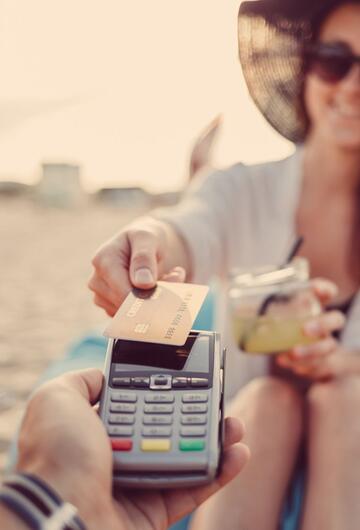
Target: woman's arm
193	235
11	521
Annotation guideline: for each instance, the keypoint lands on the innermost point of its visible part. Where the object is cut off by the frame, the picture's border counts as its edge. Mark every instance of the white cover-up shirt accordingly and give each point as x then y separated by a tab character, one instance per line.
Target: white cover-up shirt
244	217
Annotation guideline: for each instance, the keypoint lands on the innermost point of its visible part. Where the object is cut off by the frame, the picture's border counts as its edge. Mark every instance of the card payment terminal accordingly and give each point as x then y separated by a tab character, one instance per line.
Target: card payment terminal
163	410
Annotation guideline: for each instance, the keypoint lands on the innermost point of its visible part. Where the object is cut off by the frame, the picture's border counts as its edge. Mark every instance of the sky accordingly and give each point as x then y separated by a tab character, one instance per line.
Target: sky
123	88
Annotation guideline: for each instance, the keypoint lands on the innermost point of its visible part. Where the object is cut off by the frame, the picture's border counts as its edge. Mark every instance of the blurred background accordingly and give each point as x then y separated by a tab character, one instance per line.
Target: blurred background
104	113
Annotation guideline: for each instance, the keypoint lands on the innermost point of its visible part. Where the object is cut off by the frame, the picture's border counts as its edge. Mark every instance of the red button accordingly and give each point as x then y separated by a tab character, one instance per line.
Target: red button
121	445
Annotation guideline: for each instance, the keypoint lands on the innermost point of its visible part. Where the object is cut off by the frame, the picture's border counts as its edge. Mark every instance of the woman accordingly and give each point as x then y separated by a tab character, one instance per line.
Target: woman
301	61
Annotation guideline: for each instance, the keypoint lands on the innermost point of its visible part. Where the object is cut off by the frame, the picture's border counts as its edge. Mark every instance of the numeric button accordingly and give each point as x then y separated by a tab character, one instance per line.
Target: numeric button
158	408
122	419
192	431
122	407
159	398
194	420
157	420
115	430
156	431
199	397
123	397
194	408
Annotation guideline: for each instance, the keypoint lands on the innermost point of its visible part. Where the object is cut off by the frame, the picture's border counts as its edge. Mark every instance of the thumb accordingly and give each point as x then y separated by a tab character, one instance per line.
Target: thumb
143	268
88	383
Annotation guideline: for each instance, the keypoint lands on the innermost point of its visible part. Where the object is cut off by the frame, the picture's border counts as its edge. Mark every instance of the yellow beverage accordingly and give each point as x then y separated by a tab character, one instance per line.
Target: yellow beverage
269	307
267	334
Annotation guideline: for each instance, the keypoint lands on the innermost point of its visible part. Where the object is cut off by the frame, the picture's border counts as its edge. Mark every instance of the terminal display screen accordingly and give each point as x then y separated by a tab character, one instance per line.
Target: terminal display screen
193	356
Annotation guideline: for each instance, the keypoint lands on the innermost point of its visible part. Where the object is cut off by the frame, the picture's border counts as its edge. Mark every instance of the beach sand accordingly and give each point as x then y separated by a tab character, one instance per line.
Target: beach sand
45	262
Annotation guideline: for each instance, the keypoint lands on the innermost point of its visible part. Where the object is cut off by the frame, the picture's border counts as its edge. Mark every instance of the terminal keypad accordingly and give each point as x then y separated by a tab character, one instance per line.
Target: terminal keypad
155	411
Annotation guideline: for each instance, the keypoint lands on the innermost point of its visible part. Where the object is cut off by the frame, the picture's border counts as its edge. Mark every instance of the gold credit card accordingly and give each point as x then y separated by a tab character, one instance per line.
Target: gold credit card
163	315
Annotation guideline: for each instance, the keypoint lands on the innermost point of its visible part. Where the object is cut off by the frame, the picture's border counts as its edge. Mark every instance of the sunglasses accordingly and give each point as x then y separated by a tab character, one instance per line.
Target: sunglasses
331	62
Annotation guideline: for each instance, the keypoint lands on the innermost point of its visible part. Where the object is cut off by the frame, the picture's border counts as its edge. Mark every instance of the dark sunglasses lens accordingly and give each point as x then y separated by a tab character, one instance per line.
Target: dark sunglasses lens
330	67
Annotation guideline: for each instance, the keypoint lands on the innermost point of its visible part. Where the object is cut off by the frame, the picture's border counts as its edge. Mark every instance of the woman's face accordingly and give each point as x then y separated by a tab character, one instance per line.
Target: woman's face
334	107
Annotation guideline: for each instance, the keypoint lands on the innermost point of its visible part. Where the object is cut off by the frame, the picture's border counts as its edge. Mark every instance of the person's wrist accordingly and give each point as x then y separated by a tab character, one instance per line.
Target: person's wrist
10	519
92	499
172	238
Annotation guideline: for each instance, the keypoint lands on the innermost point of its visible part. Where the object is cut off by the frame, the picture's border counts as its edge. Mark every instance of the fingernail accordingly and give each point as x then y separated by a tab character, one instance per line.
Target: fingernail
300	351
144	276
312	328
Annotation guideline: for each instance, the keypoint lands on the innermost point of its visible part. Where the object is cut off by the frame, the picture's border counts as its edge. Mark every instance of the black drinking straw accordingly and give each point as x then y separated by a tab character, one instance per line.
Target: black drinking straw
263	308
293	251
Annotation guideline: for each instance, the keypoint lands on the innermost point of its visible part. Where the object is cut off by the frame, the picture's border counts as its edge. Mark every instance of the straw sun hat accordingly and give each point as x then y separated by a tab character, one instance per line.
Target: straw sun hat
272	35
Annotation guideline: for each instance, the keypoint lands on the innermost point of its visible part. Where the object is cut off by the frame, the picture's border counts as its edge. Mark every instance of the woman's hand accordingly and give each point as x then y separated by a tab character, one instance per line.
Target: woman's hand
142	253
63	441
324	358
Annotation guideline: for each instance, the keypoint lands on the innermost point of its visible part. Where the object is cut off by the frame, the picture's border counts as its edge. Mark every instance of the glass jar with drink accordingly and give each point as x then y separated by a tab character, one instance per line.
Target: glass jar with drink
269	306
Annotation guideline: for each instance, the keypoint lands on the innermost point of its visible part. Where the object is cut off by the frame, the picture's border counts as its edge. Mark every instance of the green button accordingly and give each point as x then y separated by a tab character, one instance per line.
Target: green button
192	445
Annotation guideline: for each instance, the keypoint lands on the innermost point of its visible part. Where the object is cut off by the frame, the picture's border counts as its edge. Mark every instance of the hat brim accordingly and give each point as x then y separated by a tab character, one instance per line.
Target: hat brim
270	52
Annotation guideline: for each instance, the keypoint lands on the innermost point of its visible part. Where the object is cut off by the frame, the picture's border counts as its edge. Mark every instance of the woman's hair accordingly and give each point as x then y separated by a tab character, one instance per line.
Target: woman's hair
316	25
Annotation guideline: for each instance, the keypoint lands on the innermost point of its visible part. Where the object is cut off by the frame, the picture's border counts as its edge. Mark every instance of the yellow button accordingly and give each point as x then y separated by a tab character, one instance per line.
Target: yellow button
155	445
